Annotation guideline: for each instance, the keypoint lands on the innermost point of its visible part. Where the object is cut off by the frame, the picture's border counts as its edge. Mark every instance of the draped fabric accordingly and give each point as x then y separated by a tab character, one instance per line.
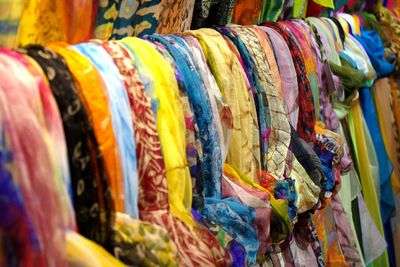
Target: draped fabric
280	132
212	12
194	151
121	121
95	102
53	24
260	141
36	185
371	200
82	150
306	121
152	171
195	244
198	98
222	114
287	73
309	60
173	148
236	94
119	19
124	18
234	145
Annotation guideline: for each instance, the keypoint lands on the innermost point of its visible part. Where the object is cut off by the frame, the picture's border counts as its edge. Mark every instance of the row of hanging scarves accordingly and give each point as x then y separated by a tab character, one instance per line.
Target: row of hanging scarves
230	150
26	22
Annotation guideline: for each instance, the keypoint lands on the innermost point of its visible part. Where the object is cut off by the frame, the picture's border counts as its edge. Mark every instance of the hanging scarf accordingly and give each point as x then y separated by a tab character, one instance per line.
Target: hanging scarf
221	111
198	98
195	245
52	121
90	90
80	138
39	187
304	40
121	121
119	19
177	172
280	132
258	92
194	150
306	122
16	225
287	73
208	13
220	59
247	12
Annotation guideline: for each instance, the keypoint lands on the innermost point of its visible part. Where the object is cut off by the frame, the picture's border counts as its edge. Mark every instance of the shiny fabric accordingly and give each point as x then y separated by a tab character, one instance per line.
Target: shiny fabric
385	166
361	155
121	121
89	198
